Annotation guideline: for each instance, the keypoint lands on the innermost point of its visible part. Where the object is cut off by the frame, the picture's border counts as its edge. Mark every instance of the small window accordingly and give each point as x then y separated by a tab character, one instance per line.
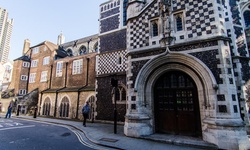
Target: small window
119	60
178	21
22	92
26	64
32	78
119	94
154	28
34	63
35	50
96	47
77	66
44	76
46	60
69	52
59	67
82	50
45	48
24	77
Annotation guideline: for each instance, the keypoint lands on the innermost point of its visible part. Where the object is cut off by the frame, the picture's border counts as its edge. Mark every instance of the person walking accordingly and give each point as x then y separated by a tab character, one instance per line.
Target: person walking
8	114
85	113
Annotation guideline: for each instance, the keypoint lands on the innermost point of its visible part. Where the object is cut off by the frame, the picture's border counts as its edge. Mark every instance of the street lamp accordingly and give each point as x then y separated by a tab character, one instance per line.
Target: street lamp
114	83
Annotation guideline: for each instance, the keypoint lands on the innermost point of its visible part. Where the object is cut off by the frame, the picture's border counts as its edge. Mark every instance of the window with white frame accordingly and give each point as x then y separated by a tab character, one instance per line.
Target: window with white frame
45	48
77	66
46	60
24	77
22	92
35	50
32	77
26	64
178	21
59	66
44	76
34	63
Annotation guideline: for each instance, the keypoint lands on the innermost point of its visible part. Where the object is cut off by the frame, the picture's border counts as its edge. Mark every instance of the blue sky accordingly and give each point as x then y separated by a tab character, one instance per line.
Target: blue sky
40	20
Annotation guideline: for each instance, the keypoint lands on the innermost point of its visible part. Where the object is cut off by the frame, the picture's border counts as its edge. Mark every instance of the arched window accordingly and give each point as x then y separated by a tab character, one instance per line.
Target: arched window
70	52
119	60
178	21
246	15
82	50
92	104
96	47
46	107
119	94
154	28
64	108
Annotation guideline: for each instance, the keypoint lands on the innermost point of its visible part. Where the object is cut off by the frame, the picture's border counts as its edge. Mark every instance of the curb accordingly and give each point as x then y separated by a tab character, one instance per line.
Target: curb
93	141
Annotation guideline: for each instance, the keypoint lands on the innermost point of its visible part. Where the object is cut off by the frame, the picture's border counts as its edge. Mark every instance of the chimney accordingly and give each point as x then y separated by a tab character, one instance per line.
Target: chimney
60	39
26	46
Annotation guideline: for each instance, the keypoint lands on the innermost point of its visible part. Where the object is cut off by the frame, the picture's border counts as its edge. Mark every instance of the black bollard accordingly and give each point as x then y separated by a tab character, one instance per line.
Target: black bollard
18	109
35	113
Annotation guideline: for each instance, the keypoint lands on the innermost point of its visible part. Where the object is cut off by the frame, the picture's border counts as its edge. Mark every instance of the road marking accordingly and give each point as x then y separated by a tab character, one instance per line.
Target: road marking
9	124
17	127
17	124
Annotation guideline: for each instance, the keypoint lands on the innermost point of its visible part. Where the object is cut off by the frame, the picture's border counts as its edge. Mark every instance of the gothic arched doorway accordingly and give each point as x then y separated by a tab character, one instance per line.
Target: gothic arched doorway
176	104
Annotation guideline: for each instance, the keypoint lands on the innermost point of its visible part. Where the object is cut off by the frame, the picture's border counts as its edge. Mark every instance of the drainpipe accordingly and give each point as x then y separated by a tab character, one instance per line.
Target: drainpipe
86	84
55	104
66	73
27	86
50	78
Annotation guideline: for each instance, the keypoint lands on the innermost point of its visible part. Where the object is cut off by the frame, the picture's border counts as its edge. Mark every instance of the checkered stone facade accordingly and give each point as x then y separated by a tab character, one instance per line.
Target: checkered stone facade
107	63
138	29
199	18
199	21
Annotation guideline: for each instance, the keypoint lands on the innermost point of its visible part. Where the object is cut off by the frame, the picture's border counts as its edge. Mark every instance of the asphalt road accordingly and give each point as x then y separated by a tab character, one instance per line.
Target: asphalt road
18	134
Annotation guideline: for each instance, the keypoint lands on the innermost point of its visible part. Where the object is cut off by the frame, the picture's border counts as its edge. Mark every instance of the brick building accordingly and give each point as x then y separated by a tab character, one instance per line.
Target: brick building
72	80
29	72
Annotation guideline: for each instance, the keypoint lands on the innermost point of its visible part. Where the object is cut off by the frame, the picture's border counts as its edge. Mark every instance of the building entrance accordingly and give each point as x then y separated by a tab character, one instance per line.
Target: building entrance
176	105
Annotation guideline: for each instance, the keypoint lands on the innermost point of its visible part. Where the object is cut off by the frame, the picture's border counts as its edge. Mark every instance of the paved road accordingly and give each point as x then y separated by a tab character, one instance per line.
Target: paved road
27	135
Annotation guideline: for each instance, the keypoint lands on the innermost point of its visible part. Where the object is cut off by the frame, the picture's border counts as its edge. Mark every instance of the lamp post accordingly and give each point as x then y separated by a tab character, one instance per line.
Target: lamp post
114	83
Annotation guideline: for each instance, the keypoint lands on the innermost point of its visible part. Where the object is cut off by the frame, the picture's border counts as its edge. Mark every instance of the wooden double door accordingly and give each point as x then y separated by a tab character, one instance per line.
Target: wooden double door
176	105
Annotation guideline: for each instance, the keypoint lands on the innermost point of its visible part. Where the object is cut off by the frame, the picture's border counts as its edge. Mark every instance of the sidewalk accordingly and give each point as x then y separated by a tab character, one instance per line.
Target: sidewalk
103	134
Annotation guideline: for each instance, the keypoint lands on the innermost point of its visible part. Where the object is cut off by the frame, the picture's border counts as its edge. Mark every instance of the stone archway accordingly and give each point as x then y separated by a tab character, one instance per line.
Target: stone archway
141	122
176	104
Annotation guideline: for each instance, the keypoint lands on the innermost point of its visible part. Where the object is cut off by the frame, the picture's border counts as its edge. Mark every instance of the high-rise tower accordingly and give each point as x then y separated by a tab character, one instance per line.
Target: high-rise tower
5	35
